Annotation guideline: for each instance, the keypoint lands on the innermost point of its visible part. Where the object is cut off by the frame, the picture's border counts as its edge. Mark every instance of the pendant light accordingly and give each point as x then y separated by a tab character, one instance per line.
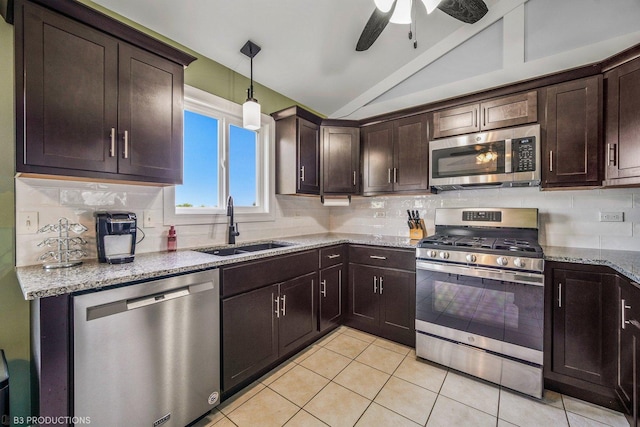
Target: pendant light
251	108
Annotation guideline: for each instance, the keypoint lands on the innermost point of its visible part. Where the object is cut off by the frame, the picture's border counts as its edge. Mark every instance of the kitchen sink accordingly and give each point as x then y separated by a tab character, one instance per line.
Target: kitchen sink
236	250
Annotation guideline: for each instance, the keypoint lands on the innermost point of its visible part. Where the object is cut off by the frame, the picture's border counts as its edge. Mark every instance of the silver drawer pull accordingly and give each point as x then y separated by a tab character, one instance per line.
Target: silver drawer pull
333	256
381	285
277	301
623	313
284	305
377	257
126	144
375	284
112	149
323	288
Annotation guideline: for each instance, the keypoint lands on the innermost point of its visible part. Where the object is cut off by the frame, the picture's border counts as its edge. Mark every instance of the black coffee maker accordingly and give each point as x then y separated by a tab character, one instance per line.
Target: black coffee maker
116	236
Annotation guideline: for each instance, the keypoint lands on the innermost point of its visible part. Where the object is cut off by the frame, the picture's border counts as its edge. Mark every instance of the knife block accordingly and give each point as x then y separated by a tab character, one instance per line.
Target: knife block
418	233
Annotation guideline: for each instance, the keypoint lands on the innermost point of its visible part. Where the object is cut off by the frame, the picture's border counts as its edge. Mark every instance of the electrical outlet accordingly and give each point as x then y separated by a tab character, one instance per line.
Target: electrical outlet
26	222
611	216
380	215
149	219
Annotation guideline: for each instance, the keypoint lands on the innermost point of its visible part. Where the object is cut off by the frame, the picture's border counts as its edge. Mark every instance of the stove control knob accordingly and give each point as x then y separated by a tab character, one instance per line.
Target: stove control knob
471	258
519	263
502	261
431	253
444	255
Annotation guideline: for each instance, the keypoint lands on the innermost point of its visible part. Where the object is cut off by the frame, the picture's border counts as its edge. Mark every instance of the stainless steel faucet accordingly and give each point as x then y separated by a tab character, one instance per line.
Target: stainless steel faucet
231	237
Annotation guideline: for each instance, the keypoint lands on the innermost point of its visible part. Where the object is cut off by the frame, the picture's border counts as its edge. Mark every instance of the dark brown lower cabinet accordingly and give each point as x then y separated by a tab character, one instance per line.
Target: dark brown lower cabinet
628	375
331	296
382	302
580	336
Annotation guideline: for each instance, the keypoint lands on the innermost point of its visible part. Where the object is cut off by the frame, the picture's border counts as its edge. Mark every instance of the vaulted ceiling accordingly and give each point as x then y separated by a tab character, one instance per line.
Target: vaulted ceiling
308	46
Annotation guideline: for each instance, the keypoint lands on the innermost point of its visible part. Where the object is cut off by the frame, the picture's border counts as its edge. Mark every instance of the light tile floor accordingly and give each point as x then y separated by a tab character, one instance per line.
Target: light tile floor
350	378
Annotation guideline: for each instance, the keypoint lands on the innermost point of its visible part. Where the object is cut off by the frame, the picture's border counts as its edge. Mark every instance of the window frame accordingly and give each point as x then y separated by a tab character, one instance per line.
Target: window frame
228	113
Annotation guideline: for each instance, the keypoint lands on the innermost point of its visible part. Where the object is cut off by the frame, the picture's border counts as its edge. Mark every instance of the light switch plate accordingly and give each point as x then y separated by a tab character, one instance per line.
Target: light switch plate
149	219
26	222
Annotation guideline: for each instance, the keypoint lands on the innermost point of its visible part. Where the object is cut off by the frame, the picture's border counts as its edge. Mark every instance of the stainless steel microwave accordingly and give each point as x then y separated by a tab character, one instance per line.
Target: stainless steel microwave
501	158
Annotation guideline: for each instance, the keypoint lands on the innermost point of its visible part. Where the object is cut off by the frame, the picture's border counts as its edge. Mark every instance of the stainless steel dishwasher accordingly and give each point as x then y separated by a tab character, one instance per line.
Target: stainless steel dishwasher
148	354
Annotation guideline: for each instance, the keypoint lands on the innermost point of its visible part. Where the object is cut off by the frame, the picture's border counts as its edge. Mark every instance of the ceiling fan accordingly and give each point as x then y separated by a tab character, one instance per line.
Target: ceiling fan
399	12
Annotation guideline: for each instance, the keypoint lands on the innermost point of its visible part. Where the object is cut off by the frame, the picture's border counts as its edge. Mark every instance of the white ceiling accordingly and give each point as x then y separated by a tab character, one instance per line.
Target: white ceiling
308	46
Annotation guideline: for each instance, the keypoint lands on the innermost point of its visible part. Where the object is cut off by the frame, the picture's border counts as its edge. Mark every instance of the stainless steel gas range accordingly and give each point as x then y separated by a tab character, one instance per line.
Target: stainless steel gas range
480	295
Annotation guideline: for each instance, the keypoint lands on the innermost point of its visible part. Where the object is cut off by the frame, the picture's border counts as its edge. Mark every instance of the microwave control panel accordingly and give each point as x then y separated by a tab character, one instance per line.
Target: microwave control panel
523	154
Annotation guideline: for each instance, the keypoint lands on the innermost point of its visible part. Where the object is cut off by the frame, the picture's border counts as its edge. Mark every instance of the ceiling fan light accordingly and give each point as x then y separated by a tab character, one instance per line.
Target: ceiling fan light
431	5
402	13
251	114
384	5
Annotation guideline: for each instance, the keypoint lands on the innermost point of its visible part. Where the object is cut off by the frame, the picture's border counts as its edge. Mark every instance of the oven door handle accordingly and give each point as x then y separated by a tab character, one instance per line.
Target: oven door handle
525	277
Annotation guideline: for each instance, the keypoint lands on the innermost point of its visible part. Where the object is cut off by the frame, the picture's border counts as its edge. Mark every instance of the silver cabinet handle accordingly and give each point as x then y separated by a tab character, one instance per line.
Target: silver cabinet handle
375	285
377	257
611	154
550	161
389	175
484	117
395	174
112	149
475	117
381	285
354	178
302	174
333	256
126	145
623	308
560	295
323	288
284	305
277	301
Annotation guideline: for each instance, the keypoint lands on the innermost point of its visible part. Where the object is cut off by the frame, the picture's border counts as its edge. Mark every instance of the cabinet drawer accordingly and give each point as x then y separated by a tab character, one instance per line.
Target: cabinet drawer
332	256
404	259
251	275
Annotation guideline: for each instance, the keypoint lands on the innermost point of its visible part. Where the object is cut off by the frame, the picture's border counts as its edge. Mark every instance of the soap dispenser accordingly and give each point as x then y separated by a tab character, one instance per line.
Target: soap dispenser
172	240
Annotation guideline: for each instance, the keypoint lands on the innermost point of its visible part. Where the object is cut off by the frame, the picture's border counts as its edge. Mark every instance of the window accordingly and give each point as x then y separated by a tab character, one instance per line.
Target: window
221	159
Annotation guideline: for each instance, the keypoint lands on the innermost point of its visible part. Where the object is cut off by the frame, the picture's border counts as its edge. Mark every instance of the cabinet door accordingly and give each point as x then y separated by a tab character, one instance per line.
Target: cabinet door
331	296
150	115
584	326
628	378
363	297
397	305
377	158
411	154
308	157
456	121
571	153
249	334
623	121
297	320
509	111
340	160
69	89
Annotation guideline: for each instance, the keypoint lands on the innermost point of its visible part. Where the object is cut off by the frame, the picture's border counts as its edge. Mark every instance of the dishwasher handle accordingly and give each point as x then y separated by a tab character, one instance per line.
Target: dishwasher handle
111	308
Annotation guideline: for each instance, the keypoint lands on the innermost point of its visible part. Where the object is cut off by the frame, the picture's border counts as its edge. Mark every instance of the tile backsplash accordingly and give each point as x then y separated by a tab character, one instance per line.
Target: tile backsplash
567	218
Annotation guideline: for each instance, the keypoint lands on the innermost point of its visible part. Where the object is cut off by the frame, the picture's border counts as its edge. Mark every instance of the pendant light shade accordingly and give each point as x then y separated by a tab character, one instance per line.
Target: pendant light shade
251	108
384	5
402	13
431	4
251	114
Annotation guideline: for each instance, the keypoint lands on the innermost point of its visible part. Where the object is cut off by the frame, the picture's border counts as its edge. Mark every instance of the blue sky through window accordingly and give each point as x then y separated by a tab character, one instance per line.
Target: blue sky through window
201	174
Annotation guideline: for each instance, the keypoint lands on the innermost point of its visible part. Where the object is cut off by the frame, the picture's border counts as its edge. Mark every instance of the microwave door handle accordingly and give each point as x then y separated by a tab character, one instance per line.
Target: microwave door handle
508	153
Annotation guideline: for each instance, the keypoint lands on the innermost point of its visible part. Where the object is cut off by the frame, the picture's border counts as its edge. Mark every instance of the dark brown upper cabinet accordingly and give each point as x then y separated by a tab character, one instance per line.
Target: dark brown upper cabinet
340	160
297	151
495	113
572	148
622	153
92	105
395	156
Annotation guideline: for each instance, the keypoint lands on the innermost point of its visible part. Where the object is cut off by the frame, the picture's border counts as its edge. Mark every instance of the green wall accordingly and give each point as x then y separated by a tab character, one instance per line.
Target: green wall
204	74
14	310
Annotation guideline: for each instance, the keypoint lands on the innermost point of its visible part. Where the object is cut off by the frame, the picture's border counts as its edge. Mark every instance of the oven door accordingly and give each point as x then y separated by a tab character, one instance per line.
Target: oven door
499	311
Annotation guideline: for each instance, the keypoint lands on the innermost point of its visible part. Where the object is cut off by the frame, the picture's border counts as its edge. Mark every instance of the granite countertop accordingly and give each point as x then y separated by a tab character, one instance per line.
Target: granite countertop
37	282
626	263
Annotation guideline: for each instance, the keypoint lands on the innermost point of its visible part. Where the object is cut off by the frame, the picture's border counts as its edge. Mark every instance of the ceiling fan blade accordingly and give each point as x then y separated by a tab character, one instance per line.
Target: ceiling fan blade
376	23
469	11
